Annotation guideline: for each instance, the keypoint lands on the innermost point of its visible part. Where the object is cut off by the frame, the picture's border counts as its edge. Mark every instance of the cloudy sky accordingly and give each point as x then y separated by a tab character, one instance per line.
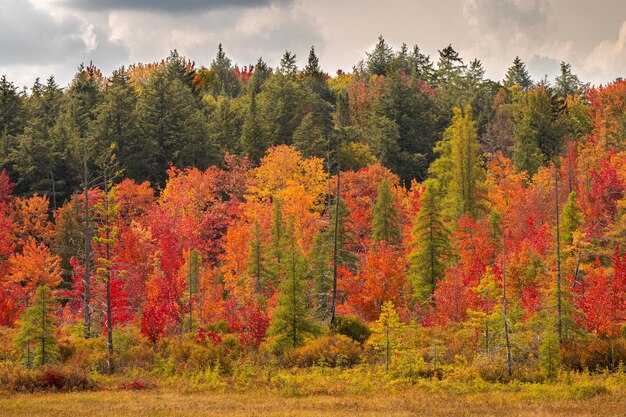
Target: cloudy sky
43	37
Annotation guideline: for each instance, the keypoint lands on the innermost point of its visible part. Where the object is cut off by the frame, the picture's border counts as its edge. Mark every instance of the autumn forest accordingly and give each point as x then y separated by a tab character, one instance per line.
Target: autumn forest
408	222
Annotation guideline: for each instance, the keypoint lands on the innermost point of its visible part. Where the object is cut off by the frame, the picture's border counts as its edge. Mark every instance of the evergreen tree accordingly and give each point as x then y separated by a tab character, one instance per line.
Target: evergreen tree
467	173
260	73
566	83
517	74
194	263
291	322
550	355
287	65
537	137
115	124
173	128
386	224
572	220
36	158
258	268
312	68
227	82
225	124
404	102
12	112
252	135
450	66
431	248
379	58
321	273
277	241
36	339
309	138
421	65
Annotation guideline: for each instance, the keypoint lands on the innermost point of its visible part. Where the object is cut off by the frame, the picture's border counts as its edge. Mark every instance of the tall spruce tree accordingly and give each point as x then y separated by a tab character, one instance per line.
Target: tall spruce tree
291	322
431	247
36	336
517	74
386	224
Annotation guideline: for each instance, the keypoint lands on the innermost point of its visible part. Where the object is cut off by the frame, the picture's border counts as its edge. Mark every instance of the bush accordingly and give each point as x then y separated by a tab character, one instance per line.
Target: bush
16	378
334	350
352	327
594	355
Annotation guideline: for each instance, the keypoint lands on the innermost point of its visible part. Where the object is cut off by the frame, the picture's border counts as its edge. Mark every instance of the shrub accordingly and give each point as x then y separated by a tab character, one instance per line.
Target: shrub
136	385
352	327
594	355
16	378
334	350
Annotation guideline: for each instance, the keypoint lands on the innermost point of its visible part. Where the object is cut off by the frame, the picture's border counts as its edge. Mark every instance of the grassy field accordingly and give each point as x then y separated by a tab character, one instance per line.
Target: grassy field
407	402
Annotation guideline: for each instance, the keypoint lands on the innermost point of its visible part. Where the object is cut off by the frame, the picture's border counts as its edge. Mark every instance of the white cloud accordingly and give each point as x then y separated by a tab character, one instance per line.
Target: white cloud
608	58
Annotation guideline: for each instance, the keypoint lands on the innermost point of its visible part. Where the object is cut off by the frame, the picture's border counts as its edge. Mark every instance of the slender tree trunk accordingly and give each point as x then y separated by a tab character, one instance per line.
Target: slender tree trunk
54	193
559	307
335	252
43	330
108	279
293	297
509	365
87	295
387	347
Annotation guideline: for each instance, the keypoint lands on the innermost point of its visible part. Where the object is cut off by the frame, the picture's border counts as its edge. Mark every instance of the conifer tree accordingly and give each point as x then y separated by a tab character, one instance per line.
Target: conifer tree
427	261
386	225
517	74
379	58
258	269
291	322
252	137
277	241
36	338
288	64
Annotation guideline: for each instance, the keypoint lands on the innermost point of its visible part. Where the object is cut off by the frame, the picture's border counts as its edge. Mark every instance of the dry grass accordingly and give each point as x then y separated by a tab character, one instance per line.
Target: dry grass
407	402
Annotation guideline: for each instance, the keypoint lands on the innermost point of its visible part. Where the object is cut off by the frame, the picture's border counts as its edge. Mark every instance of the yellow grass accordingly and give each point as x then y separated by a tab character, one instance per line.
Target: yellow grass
406	402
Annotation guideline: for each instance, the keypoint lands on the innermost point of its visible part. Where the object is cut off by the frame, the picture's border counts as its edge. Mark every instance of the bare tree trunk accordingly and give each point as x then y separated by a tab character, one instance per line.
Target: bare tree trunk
108	279
558	258
87	295
509	364
335	250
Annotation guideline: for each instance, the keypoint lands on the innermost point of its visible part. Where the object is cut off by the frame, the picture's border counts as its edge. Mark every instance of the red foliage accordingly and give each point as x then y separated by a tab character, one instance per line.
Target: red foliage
248	319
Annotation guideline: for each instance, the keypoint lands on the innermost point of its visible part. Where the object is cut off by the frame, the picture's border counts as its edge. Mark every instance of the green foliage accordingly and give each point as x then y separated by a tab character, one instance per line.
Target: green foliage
258	268
550	355
291	323
431	247
379	58
538	137
36	338
252	136
458	168
517	74
386	225
571	220
172	127
352	327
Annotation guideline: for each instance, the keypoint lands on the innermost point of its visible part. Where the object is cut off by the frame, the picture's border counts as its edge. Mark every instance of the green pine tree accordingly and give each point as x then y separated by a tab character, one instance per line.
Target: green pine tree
427	262
35	338
258	268
291	322
386	224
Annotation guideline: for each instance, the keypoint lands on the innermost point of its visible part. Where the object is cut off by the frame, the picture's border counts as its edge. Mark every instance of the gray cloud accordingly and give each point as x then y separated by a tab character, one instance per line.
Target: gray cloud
40	37
170	6
34	37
